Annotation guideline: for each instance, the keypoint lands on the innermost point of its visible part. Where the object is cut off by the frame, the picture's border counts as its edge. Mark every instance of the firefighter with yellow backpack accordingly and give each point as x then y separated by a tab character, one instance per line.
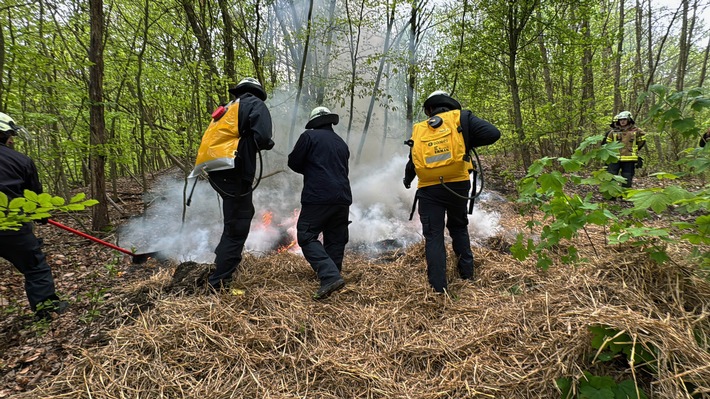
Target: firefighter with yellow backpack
624	130
440	158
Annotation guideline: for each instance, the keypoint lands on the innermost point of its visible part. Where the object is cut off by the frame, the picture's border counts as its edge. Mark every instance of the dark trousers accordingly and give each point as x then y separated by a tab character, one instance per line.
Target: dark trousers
437	204
627	169
325	258
25	253
238	211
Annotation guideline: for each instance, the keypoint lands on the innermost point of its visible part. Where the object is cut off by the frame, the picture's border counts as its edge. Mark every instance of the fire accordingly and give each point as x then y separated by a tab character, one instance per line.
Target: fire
266	218
290	233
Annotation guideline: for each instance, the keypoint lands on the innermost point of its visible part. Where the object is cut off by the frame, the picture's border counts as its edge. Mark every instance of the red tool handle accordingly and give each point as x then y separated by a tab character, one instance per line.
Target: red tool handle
79	233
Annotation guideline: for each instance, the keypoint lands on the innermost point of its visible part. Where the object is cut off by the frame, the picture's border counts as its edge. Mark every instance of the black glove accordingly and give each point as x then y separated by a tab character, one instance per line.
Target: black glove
639	163
43	221
269	145
407	184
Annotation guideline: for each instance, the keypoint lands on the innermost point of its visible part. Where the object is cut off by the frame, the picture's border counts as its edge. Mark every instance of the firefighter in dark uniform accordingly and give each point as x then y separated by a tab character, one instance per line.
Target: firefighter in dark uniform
235	185
21	247
439	207
321	156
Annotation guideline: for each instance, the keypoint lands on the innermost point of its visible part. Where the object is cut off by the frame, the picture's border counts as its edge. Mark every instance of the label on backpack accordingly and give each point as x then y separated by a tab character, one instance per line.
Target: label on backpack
218	147
439	149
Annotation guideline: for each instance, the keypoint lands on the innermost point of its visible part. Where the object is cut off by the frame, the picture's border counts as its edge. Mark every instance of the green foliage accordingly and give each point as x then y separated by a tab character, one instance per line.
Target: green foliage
545	187
33	206
595	387
611	343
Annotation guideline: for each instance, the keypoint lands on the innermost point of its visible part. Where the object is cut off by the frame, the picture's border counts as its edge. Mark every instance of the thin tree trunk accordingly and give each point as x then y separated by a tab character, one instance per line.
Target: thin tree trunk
618	101
354	45
100	219
588	100
464	7
704	69
380	69
228	38
320	93
546	75
683	44
291	133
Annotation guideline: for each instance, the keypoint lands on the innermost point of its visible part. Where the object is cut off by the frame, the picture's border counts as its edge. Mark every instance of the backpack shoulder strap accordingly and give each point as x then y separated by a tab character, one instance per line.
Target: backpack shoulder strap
463	129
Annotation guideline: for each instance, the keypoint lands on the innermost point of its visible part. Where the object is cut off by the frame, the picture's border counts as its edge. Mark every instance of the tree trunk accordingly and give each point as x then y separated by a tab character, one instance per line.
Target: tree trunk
354	46
320	93
588	101
704	69
291	133
618	101
228	40
547	77
100	219
683	44
373	97
205	44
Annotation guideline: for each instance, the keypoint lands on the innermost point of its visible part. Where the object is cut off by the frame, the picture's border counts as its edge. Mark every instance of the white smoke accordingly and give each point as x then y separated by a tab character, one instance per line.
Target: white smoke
379	215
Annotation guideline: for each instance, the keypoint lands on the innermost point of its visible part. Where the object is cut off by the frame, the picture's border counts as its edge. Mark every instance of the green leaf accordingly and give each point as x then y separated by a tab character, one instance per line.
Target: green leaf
29	207
17	203
664	175
552	182
659	89
57	201
31	195
683	125
564	384
90	202
77	198
590	392
627	389
570	165
3	200
699	104
653	199
44	199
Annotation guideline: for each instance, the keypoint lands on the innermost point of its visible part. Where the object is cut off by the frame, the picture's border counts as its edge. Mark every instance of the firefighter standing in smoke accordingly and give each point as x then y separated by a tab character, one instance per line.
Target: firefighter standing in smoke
235	185
321	156
437	203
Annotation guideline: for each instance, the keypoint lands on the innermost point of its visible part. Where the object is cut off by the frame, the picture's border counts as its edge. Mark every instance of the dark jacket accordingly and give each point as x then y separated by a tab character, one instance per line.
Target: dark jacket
321	156
480	133
17	174
255	132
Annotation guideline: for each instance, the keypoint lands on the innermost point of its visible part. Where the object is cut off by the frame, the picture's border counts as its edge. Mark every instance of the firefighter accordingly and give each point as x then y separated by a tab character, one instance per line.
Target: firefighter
625	131
321	156
234	185
439	207
21	247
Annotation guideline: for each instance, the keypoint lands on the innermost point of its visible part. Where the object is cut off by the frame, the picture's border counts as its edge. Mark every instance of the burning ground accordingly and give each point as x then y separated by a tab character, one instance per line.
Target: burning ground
510	334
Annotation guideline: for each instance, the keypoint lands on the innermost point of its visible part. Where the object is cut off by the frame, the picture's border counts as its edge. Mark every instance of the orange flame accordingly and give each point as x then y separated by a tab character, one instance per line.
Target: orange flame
266	218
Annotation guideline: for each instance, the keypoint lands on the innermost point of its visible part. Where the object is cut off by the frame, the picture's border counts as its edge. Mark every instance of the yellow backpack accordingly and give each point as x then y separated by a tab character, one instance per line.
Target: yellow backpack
439	150
219	143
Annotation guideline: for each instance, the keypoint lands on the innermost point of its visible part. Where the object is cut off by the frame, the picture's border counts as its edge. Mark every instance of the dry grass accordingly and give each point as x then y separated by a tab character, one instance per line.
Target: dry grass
386	335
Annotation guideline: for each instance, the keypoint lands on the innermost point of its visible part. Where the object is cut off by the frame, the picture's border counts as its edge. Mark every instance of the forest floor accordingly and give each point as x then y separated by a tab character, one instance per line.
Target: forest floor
95	278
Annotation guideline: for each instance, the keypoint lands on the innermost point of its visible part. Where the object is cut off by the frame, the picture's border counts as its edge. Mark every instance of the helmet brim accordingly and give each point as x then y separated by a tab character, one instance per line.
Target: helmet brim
256	90
329	119
441	100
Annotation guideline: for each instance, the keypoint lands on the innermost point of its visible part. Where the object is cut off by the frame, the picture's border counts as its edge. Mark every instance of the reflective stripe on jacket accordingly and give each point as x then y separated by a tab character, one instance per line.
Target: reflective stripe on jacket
633	140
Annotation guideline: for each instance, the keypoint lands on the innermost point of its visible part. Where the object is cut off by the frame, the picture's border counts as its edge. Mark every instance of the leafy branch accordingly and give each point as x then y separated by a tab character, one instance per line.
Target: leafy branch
33	206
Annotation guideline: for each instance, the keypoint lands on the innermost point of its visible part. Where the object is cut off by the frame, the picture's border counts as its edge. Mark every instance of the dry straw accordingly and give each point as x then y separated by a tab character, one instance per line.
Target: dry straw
510	334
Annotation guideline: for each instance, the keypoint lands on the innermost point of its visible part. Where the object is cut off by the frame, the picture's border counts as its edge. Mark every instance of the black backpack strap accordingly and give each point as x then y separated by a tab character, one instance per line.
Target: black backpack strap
463	129
414	205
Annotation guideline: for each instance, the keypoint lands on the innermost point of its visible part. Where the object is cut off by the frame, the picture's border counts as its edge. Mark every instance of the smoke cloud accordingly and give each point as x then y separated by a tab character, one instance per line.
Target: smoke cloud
379	215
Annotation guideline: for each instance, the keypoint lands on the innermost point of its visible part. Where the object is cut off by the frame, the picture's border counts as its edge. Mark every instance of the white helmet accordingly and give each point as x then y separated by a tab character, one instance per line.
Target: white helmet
321	116
8	127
